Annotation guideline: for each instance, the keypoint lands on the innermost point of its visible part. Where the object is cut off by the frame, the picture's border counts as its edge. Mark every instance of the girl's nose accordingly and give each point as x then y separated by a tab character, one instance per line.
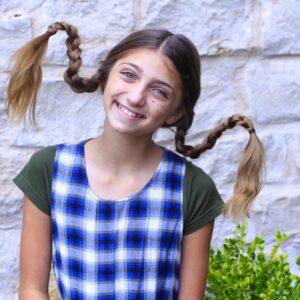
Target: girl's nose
137	96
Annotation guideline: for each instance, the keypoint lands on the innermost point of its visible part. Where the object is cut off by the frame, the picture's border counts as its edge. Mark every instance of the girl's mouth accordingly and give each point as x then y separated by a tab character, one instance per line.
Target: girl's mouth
129	113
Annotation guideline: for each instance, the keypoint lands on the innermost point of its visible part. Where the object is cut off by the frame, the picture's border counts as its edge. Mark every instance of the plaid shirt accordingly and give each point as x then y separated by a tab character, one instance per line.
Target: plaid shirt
121	249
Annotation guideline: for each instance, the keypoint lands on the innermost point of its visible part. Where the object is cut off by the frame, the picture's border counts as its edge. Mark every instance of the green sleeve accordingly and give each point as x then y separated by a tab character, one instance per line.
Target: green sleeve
202	202
35	178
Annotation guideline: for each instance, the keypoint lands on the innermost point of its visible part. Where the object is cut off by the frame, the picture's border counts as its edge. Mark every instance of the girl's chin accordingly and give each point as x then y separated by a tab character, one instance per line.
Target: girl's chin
127	130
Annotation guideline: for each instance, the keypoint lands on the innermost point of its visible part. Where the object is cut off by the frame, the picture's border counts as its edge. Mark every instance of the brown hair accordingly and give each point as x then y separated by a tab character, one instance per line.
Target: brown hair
26	77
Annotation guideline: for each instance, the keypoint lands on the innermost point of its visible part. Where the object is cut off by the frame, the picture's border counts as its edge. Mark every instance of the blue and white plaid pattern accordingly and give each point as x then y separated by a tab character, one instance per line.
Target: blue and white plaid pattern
116	249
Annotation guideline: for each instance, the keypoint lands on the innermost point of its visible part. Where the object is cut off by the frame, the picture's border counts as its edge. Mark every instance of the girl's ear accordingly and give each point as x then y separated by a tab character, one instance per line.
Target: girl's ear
171	120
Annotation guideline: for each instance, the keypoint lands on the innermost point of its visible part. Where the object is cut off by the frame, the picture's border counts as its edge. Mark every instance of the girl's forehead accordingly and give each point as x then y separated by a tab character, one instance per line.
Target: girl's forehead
147	59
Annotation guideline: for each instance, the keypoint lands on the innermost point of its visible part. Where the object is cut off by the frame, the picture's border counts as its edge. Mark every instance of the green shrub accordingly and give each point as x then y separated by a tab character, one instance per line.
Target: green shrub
243	271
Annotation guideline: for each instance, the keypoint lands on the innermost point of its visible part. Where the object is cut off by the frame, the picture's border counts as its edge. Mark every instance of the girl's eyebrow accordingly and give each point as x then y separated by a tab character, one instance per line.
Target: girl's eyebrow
141	71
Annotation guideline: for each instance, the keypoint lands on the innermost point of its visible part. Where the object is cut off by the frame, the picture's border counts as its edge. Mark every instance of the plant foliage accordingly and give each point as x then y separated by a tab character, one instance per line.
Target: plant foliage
243	271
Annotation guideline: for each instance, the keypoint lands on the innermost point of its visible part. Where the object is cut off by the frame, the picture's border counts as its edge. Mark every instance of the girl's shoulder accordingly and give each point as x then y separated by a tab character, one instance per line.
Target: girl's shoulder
43	157
35	179
195	173
202	202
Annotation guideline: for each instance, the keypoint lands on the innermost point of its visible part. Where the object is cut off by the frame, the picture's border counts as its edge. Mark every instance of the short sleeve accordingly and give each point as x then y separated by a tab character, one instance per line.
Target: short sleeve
202	201
35	178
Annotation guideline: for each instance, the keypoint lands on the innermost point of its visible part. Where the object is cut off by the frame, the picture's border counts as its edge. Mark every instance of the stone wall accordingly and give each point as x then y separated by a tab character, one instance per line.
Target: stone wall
250	65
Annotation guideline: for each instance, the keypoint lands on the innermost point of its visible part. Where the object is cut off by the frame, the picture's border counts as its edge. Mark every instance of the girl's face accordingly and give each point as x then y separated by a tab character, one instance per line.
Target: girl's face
143	91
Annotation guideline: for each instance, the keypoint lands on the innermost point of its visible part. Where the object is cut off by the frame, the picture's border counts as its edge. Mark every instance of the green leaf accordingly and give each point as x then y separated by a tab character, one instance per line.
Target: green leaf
243	271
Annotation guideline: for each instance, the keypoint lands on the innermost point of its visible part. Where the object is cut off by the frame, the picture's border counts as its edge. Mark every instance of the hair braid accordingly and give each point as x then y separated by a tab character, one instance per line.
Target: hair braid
78	84
26	75
216	133
182	126
248	180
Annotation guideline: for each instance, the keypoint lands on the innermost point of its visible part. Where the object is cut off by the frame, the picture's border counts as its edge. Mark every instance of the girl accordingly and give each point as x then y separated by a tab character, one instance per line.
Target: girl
120	216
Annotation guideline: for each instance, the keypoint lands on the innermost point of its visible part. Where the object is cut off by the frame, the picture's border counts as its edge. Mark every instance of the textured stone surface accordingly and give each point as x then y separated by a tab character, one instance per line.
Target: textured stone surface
281	27
18	7
217	100
7	129
294	145
20	29
243	71
221	162
3	86
276	157
11	160
273	88
9	258
9	251
213	26
96	20
9	286
62	116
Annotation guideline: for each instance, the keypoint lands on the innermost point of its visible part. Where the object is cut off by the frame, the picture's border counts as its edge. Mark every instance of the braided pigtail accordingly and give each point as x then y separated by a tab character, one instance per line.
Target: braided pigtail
248	180
26	75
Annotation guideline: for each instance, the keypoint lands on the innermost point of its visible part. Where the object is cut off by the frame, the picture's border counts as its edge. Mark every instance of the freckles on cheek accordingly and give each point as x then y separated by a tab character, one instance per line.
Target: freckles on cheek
159	109
120	88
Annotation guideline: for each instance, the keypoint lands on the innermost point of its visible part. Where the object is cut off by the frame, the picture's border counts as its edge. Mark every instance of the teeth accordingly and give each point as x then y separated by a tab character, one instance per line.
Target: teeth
128	112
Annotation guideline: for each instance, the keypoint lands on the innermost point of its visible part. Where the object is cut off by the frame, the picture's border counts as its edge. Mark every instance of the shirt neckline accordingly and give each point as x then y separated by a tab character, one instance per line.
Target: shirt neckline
127	198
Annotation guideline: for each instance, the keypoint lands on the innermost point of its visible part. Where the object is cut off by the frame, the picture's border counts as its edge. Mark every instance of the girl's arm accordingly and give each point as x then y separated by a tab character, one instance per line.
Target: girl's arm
194	263
35	260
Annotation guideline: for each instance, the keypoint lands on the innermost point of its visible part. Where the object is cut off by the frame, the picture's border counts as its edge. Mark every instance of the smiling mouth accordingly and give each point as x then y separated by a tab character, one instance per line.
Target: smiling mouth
128	112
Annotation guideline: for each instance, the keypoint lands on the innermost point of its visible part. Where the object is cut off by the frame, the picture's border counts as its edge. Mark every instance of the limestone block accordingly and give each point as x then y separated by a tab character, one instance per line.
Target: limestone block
221	162
279	210
62	116
11	161
223	227
273	88
14	32
218	99
214	26
9	285
8	129
294	146
19	7
10	197
9	262
9	250
282	210
281	25
101	25
276	157
3	85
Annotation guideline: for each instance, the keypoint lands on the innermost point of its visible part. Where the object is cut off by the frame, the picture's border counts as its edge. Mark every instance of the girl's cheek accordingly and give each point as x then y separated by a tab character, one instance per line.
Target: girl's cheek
160	109
120	88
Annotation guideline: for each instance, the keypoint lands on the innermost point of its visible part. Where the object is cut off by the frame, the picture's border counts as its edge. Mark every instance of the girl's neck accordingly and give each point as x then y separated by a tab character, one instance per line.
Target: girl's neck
123	151
119	165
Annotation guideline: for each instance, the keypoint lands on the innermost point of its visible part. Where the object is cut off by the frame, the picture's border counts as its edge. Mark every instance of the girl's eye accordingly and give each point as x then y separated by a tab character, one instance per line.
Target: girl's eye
128	74
161	92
